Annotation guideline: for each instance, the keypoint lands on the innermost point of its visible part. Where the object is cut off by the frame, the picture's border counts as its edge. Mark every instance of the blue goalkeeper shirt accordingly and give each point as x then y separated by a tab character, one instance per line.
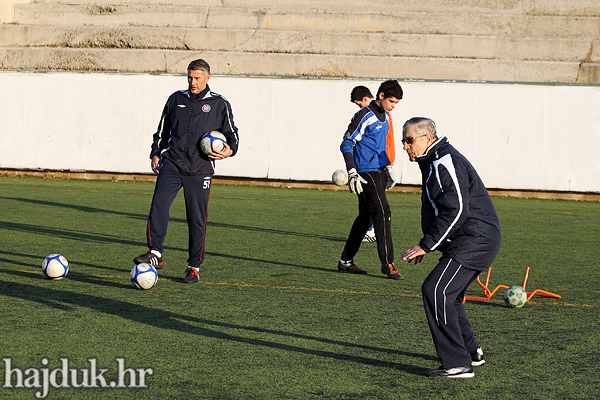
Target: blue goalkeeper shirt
364	144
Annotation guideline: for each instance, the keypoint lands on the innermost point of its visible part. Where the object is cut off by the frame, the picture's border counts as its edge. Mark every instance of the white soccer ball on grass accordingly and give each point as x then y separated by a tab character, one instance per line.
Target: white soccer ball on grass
144	276
55	267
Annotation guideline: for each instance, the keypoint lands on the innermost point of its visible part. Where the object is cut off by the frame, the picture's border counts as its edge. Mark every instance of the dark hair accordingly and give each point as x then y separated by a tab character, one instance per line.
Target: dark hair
360	92
390	88
422	126
199	64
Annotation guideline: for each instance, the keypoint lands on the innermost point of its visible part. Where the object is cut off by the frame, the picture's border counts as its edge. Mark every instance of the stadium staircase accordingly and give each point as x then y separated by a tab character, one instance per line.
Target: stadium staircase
474	40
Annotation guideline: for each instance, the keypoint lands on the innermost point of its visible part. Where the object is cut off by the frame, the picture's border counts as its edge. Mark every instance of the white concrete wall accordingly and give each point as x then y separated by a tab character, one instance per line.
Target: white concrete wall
542	137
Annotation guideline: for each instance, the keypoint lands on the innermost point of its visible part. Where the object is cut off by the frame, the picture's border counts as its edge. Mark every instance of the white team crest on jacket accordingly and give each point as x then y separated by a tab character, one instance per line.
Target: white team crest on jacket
206	108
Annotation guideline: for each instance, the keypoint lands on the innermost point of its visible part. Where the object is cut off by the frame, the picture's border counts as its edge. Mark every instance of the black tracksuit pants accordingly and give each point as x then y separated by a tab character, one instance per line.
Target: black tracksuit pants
372	205
196	191
443	293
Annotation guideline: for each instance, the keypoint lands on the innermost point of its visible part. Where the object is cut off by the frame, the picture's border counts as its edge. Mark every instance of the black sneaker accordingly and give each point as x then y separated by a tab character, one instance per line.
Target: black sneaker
477	358
456	372
149	258
350	267
391	271
191	276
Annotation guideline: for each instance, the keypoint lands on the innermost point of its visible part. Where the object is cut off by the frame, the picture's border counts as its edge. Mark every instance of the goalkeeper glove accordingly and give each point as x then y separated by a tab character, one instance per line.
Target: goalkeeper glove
355	181
392	178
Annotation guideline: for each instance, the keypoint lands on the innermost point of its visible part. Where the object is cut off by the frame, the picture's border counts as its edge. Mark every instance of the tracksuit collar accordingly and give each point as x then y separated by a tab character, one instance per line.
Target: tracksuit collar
200	95
442	140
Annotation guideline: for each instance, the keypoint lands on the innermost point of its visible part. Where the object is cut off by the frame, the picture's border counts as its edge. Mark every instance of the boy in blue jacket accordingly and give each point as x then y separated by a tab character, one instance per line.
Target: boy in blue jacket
364	151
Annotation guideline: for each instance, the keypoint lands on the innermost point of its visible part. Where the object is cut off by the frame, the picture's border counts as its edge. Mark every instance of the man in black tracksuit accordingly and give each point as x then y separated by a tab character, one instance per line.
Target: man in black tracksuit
179	161
458	219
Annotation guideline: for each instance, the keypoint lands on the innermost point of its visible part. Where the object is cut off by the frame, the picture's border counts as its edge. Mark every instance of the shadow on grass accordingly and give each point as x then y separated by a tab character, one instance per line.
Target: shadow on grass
77	207
63	233
82	277
66	301
488	303
82	236
96	280
238	258
276	231
144	217
37	262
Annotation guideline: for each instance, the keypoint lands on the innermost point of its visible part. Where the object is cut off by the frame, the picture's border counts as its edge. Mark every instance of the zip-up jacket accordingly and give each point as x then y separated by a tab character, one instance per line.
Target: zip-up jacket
458	217
365	141
185	119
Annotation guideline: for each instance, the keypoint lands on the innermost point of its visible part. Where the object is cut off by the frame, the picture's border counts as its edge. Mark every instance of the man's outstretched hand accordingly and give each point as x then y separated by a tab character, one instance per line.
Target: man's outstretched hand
415	254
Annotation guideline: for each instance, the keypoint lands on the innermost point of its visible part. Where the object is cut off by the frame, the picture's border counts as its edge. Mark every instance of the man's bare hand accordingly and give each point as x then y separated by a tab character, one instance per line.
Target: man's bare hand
155	164
415	254
220	155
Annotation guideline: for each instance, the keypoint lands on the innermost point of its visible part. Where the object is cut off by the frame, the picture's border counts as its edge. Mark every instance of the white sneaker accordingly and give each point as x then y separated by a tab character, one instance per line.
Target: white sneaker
370	236
456	372
477	358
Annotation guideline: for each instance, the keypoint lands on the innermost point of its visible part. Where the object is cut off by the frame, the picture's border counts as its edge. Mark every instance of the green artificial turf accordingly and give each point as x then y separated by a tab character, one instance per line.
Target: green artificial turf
272	318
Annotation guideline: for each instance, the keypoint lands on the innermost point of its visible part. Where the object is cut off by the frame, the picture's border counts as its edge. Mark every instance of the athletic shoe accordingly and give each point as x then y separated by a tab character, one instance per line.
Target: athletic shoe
149	258
391	271
477	358
370	236
350	267
456	372
191	276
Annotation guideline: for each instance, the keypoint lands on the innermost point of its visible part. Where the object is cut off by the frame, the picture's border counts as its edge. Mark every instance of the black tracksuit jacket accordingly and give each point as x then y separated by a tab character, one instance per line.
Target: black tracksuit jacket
185	119
458	217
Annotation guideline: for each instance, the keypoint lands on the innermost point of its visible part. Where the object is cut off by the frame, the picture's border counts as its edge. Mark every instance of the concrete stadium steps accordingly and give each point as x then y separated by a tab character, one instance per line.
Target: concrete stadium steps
274	64
444	23
303	42
492	40
578	8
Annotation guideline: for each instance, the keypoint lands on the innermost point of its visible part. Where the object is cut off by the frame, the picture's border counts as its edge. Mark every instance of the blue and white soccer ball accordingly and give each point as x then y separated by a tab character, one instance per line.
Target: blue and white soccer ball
55	267
144	276
515	296
212	141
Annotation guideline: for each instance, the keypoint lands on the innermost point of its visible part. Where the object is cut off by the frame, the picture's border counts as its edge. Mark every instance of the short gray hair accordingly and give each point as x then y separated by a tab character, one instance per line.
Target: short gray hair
201	65
422	126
